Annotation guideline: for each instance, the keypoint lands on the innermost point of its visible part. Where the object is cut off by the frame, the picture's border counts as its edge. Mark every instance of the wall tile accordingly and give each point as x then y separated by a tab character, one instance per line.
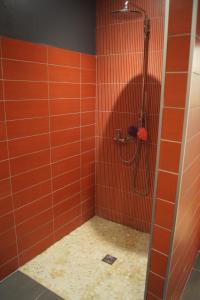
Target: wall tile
161	239
66	205
88	61
63	57
88	90
32	193
65	136
175	89
28	211
39	234
164	214
28	145
166	187
64	90
155	284
27	127
158	264
36	249
63	152
183	9
64	106
178	53
88	76
172	124
21	50
20	182
168	161
18	70
26	109
33	223
5	188
66	179
23	90
5	205
63	74
8	268
65	121
6	222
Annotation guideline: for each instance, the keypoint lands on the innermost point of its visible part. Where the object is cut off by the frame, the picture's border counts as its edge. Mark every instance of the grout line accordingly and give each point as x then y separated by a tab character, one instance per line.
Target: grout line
138	82
44	117
48	82
167	201
50	146
81	138
47	63
45	99
133	53
157	225
179	35
176	72
164	254
171	141
96	128
157	274
169	172
174	107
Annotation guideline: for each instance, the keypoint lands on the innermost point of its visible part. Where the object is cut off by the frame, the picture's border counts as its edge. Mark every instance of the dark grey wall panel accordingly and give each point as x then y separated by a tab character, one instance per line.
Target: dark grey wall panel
62	23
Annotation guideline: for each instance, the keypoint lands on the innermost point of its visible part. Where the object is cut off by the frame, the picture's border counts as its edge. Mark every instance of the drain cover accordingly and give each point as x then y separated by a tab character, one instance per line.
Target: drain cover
109	259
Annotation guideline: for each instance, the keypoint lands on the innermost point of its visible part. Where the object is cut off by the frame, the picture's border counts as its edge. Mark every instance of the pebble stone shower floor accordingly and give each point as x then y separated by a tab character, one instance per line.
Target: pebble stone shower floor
73	267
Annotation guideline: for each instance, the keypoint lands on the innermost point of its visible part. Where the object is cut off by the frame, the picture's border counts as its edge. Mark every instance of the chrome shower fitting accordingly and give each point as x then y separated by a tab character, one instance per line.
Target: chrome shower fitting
119	139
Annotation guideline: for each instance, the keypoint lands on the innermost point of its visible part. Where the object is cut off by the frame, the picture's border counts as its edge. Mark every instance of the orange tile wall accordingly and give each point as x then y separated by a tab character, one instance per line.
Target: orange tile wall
47	147
175	115
119	70
187	231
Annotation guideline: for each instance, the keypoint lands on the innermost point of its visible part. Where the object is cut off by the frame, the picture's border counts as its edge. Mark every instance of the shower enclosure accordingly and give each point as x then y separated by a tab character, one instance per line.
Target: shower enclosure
88	138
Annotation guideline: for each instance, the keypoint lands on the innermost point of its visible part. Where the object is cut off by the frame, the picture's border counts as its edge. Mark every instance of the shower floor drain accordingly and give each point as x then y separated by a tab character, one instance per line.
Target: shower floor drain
109	259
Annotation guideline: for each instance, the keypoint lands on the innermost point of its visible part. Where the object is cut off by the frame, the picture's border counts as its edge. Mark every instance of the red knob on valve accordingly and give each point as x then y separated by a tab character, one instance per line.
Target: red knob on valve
142	134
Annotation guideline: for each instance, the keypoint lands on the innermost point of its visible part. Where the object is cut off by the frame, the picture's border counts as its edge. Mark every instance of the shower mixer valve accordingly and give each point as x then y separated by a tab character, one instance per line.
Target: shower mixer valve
133	132
119	139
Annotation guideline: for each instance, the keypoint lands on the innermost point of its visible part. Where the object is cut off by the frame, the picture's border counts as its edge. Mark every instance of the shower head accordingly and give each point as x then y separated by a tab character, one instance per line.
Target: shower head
126	9
138	10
